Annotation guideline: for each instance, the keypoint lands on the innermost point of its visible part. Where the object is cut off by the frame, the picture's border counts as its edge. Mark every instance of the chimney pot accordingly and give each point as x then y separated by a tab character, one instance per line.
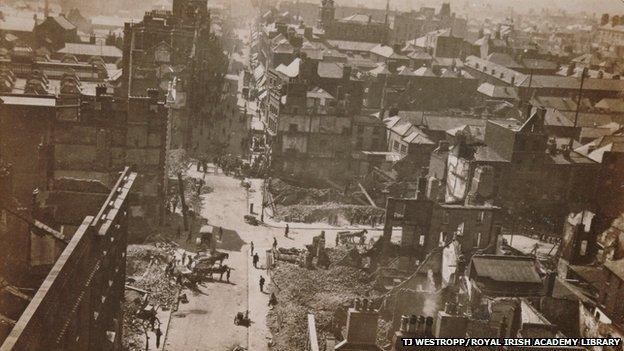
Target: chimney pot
405	320
356	304
429	326
411	328
421	325
365	305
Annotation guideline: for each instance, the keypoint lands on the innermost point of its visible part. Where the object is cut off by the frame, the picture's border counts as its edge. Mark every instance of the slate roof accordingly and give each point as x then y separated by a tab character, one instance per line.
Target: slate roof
64	23
498	91
91	50
348	45
17	24
329	70
615	105
512	269
617	267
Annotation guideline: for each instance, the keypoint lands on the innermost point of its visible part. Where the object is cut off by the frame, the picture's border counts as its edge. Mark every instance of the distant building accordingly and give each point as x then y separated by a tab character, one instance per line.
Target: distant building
527	169
54	32
356	27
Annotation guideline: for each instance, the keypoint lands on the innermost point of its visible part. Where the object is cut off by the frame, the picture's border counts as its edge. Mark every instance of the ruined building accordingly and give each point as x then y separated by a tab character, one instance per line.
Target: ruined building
75	302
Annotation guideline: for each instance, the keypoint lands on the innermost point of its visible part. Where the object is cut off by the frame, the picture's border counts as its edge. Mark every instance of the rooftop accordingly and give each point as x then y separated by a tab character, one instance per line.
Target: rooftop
91	50
516	269
28	101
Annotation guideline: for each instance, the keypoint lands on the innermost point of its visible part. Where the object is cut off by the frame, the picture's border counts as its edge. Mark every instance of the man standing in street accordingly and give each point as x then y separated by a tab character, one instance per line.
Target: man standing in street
261	284
274	243
252	249
256	258
286	230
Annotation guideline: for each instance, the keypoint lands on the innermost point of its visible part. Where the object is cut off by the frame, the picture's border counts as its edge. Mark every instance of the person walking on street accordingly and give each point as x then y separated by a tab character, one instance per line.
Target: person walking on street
274	243
256	258
261	284
227	274
220	233
252	249
286	230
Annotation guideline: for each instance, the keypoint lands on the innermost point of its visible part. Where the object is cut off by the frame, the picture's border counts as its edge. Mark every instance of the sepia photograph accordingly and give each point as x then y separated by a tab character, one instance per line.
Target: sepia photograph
311	175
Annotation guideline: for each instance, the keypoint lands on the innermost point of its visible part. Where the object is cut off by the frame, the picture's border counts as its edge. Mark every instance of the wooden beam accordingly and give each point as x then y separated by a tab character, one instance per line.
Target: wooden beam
367	196
313	338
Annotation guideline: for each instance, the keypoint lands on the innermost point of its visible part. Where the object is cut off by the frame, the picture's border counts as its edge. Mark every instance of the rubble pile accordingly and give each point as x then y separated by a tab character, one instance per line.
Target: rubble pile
145	268
285	194
343	214
322	292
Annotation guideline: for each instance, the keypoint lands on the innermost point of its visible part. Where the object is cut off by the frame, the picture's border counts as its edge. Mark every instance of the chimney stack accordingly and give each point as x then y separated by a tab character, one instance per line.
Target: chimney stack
451	324
362	324
604	20
615	20
346	72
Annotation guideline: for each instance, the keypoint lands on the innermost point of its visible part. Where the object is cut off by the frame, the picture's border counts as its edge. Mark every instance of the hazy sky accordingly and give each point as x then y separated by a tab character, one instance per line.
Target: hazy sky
597	6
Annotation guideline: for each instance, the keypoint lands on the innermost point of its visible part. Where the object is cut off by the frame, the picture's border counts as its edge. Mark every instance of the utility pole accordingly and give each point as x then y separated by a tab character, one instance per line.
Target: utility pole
578	103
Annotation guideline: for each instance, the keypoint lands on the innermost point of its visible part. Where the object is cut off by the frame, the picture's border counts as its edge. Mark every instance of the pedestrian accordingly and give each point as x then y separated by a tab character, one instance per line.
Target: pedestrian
183	257
256	259
158	335
252	248
373	220
351	219
220	233
227	274
198	165
286	230
261	284
174	204
274	243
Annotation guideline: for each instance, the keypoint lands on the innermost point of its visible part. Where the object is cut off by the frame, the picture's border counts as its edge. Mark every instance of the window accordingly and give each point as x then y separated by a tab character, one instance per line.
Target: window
480	217
403	149
421	240
101	139
395	146
477	242
446	217
583	250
